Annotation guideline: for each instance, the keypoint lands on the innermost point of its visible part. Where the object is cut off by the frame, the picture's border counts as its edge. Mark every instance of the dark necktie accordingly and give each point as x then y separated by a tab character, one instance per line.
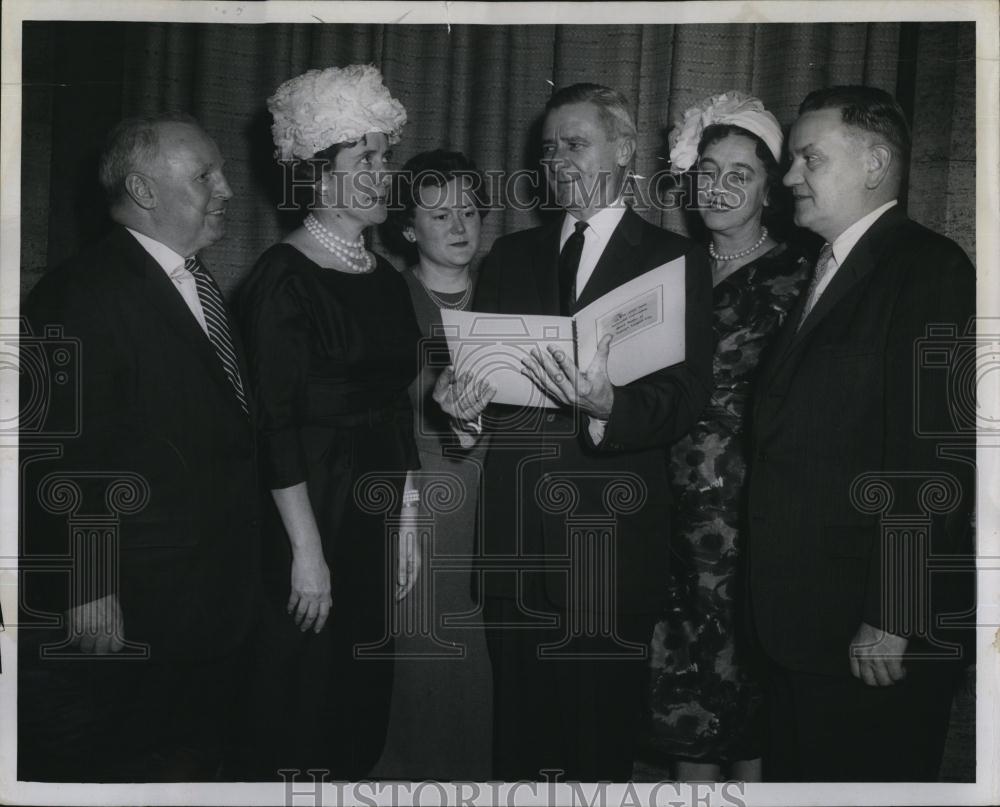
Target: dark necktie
217	323
569	262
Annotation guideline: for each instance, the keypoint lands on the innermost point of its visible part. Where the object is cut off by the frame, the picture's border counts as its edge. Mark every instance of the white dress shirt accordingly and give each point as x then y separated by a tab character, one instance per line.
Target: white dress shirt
173	265
845	242
600	226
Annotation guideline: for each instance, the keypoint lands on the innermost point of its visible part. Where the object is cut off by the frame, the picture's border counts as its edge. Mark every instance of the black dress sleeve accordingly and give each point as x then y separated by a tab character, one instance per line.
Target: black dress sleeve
275	322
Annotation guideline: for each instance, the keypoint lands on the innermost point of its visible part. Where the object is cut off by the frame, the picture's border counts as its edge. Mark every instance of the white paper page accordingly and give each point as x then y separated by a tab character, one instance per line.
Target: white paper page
491	347
645	317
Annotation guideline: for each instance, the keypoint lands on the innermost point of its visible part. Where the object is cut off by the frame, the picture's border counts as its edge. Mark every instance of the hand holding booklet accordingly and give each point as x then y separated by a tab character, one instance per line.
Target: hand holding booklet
645	318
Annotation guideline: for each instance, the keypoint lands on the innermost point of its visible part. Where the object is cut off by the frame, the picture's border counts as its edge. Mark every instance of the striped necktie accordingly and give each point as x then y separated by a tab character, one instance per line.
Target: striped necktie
217	323
824	262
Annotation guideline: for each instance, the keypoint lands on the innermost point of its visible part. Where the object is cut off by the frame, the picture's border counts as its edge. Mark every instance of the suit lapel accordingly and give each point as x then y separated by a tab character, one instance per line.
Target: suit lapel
546	266
241	360
159	290
617	263
860	263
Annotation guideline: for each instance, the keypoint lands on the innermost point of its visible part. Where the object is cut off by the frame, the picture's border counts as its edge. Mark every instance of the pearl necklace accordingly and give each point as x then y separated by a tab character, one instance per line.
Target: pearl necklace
458	305
718	256
351	253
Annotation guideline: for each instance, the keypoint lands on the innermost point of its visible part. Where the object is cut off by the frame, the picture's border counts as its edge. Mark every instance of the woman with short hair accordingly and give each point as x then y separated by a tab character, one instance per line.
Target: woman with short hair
332	341
706	702
441	719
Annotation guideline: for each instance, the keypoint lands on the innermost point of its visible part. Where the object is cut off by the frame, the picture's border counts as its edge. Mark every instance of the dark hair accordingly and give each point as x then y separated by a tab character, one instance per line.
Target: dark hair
308	169
303	180
612	107
776	213
131	145
429	168
869	109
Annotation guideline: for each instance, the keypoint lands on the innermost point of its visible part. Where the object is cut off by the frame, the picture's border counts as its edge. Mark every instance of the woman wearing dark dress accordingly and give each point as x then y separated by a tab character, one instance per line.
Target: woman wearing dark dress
333	342
439	726
706	703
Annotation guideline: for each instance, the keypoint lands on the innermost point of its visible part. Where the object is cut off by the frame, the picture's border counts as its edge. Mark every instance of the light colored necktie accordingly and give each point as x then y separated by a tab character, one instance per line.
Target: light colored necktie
217	323
824	262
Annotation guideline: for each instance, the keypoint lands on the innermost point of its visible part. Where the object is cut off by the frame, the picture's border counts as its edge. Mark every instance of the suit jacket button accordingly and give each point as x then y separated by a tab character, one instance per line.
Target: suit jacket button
549	418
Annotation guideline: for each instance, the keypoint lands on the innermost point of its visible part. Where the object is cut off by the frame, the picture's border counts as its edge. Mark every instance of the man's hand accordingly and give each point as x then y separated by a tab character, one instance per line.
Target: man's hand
877	656
310	599
408	564
461	397
97	626
555	374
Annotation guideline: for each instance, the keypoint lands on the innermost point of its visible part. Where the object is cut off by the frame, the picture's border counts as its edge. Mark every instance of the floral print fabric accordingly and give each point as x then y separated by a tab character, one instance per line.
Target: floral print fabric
705	701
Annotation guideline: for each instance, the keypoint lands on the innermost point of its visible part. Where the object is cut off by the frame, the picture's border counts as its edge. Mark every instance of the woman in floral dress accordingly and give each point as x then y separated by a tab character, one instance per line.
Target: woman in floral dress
706	704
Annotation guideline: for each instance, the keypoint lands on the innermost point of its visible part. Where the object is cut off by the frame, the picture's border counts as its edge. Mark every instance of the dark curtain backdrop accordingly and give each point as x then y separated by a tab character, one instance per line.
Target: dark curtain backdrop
478	89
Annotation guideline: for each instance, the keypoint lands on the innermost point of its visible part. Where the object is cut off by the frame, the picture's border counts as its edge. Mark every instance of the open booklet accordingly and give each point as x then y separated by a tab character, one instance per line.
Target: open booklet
644	316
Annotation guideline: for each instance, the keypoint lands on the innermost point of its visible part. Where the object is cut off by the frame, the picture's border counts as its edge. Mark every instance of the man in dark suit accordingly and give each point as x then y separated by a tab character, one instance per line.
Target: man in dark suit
146	515
575	510
850	497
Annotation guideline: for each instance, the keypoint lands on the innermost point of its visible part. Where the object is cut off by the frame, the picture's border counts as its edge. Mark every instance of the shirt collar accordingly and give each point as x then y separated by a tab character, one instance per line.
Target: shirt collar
602	223
169	260
845	242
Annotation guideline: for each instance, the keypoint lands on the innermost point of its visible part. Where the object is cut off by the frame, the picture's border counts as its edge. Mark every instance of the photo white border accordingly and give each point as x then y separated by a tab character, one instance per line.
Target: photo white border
984	12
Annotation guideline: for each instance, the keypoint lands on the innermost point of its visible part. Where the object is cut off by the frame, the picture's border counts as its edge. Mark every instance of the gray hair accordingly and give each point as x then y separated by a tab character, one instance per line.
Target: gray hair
612	107
132	145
